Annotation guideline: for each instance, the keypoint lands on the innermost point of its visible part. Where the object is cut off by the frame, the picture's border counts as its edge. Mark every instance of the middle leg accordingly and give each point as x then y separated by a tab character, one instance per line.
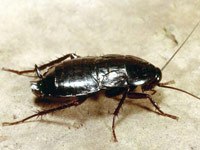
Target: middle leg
143	95
116	112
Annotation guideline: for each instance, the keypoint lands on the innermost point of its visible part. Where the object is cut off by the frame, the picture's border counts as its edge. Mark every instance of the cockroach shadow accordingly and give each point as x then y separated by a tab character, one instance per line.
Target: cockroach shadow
98	107
90	109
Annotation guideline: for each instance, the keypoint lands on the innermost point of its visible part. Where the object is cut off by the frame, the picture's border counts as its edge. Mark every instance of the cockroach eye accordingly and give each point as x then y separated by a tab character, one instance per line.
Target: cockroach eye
158	76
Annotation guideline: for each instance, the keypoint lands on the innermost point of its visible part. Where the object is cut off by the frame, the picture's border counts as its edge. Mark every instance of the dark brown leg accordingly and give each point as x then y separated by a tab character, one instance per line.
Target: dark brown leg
49	64
44	112
116	112
143	95
153	92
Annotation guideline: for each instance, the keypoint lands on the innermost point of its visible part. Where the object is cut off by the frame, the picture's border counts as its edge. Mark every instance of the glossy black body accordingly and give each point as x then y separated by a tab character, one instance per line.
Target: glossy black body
87	75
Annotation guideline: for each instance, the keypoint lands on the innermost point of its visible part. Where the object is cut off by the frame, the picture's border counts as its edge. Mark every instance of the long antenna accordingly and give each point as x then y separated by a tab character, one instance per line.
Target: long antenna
174	88
181	45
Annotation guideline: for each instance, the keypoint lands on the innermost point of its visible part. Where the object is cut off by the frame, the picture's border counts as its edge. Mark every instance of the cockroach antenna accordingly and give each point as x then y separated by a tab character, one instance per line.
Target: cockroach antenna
165	85
179	48
174	88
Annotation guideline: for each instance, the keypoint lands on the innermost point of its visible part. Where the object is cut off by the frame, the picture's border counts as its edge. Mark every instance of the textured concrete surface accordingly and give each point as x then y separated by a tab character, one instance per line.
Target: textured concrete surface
38	31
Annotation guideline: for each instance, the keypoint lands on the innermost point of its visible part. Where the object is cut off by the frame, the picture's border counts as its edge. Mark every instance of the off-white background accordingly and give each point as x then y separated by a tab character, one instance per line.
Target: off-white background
34	32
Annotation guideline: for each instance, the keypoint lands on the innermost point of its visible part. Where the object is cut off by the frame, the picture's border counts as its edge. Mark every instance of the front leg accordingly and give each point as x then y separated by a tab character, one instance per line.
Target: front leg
44	66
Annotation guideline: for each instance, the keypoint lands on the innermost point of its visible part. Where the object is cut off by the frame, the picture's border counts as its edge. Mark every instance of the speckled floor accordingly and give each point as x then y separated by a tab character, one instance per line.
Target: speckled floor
34	32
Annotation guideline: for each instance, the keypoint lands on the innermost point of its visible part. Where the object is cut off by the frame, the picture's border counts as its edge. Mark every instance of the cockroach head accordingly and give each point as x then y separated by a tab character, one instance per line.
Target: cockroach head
144	75
153	79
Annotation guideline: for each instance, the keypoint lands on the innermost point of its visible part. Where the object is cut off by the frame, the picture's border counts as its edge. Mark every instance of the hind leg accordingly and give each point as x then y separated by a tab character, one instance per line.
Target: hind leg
44	66
44	112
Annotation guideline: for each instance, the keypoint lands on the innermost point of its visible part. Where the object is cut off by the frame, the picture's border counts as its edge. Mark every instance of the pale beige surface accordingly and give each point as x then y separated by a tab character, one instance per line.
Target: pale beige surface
35	32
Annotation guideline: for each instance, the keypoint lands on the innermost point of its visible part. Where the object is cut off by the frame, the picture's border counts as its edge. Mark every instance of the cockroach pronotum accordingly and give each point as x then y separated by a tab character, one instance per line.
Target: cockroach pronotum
78	78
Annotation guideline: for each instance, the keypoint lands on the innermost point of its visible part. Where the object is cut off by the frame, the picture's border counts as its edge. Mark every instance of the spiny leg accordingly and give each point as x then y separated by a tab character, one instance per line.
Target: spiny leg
44	112
49	64
143	95
116	112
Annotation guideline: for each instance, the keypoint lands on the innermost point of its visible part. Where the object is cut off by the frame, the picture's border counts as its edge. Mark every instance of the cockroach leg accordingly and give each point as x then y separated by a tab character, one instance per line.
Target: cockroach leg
56	61
167	83
116	112
44	66
44	112
37	70
18	72
153	92
143	95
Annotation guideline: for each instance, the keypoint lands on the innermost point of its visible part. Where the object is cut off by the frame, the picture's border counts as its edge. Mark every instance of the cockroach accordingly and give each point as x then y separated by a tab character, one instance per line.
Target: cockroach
78	78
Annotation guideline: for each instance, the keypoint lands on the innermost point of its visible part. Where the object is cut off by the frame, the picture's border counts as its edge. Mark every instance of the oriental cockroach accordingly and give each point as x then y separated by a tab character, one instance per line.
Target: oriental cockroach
78	78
